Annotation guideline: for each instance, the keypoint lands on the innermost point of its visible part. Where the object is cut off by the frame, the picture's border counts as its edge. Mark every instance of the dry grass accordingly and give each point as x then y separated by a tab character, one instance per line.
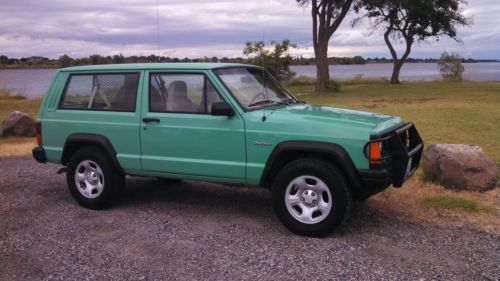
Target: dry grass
434	203
9	103
14	146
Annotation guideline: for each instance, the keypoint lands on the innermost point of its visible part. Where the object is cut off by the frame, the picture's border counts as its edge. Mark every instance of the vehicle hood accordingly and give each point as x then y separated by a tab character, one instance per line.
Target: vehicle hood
324	116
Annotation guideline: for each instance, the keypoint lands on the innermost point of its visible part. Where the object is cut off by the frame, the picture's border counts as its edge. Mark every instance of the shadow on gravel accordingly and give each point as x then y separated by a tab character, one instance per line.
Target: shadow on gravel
239	201
201	195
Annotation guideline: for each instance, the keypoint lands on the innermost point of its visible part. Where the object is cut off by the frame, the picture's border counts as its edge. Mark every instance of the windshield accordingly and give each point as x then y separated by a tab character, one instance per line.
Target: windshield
253	87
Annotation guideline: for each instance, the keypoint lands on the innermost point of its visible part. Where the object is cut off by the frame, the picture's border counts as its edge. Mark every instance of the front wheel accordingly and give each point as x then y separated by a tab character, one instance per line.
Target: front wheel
92	180
311	197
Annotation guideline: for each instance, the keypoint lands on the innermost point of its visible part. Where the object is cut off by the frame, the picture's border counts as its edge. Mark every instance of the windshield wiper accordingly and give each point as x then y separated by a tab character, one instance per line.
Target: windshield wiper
290	101
265	102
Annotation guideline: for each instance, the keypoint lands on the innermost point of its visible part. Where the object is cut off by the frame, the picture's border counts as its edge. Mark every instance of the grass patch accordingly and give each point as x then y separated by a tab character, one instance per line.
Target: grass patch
333	87
16	146
301	80
449	202
444	112
10	102
6	94
429	176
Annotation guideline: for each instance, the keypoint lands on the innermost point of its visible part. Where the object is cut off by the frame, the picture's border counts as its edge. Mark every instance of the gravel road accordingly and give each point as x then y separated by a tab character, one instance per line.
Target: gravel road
204	231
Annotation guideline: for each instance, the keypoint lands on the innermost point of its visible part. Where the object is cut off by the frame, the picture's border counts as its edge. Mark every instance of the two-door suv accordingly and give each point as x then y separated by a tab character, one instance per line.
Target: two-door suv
229	123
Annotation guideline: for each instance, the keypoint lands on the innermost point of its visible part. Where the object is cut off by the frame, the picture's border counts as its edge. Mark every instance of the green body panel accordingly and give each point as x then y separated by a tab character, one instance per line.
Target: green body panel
348	128
121	128
201	146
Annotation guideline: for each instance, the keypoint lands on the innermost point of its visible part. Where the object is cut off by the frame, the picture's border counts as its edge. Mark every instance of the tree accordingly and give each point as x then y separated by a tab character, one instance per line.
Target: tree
411	21
450	66
4	60
327	15
118	58
64	61
97	59
277	61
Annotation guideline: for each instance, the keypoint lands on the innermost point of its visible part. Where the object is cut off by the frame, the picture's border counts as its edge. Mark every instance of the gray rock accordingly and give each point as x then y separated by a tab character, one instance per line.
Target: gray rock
460	166
18	124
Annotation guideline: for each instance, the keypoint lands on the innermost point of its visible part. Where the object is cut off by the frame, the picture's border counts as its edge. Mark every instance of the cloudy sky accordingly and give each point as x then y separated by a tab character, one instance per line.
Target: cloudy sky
199	28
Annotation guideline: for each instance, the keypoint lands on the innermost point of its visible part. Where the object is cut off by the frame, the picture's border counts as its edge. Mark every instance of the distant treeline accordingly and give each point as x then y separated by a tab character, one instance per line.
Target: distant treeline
65	60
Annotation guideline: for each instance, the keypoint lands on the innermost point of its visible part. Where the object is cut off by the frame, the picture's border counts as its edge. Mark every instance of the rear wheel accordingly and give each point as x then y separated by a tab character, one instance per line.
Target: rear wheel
92	180
311	197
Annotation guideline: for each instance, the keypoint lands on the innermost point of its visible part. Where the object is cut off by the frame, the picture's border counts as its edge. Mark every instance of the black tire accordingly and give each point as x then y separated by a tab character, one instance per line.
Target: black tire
112	180
329	174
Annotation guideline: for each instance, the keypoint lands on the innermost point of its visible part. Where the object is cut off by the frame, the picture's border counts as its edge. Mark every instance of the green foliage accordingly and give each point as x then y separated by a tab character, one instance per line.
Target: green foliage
119	59
4	60
415	19
334	86
449	202
64	61
277	61
97	59
450	66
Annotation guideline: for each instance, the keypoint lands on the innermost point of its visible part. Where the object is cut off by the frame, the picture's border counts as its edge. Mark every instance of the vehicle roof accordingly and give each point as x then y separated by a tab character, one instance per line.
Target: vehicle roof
155	66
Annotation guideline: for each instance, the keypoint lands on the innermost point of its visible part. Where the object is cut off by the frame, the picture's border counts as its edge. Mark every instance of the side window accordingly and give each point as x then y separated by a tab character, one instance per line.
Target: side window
212	96
184	93
113	92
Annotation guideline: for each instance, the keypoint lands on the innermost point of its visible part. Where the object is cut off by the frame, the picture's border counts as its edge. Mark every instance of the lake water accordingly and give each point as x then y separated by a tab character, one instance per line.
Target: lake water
33	83
409	72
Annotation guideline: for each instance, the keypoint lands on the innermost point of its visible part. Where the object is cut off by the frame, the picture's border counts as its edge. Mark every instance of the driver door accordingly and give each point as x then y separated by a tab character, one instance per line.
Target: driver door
180	136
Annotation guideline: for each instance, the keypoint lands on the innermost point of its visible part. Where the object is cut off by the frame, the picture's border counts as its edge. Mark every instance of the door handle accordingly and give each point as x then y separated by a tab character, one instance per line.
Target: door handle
150	120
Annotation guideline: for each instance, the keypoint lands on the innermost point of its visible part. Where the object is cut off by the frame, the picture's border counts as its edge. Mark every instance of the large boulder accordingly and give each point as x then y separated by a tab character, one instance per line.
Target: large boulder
18	124
460	166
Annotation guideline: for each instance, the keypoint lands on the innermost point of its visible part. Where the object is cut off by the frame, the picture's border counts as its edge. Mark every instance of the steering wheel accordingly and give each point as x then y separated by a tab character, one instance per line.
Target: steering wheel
255	98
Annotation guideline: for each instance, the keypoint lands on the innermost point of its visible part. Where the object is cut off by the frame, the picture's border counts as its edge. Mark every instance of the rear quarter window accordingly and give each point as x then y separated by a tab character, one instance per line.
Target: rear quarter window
111	92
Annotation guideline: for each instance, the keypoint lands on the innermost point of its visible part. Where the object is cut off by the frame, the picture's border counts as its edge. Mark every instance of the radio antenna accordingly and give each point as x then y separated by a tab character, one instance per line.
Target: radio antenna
158	28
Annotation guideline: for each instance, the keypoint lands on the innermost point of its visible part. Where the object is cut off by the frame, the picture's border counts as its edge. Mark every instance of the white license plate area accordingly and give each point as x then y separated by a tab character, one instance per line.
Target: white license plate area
409	171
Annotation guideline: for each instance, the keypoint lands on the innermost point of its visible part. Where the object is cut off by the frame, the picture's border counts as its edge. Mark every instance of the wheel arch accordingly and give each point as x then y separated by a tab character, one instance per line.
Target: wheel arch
79	140
288	151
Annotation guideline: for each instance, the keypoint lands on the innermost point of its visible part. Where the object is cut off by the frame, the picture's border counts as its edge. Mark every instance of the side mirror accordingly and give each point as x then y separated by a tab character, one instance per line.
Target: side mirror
222	109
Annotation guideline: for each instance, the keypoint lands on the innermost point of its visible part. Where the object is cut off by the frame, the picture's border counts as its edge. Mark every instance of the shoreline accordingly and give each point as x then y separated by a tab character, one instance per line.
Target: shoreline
8	67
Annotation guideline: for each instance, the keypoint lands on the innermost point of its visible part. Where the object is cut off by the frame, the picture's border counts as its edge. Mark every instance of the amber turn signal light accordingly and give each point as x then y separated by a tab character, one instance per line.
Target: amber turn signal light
375	152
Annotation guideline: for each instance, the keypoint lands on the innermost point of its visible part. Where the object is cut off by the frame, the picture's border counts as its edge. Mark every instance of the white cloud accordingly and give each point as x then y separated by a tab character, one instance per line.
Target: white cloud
206	28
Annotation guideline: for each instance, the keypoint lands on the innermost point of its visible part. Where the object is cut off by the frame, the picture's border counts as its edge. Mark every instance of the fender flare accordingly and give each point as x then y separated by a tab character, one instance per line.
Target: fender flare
74	141
332	151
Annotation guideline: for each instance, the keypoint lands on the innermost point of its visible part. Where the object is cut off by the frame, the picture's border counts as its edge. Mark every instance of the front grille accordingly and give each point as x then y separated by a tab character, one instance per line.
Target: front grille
405	139
403	148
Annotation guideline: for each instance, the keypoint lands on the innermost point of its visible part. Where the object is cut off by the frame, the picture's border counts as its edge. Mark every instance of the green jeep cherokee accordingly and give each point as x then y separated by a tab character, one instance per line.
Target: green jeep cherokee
228	123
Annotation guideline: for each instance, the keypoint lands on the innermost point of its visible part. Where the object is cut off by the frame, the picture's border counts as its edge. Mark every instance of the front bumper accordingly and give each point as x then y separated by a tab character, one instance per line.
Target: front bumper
375	181
39	154
406	147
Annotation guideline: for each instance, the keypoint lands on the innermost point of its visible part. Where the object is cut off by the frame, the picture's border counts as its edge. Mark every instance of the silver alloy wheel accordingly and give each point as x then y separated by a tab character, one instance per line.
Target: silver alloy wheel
308	199
89	179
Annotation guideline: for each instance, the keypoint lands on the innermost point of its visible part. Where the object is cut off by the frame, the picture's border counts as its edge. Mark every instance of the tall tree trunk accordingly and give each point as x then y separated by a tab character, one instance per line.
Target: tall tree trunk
322	67
326	17
396	69
397	63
